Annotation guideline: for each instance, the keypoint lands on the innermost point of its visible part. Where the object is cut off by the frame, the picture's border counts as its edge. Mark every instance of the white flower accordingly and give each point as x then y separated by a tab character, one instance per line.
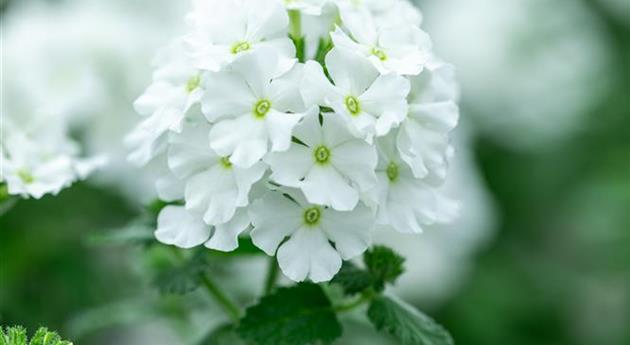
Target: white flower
179	227
402	12
214	187
38	158
423	139
405	202
310	228
370	103
255	104
331	168
309	7
225	29
402	48
175	89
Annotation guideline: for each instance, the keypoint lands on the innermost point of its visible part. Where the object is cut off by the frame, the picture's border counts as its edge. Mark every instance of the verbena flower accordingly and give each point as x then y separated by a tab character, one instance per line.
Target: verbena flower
319	120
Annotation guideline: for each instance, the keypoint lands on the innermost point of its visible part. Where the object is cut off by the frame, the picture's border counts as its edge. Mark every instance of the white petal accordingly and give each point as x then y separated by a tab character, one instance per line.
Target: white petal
225	236
351	231
213	193
273	217
169	188
350	71
356	160
245	178
309	131
316	88
243	139
284	92
325	186
176	226
266	19
360	24
386	99
342	40
280	128
291	166
257	69
227	94
307	254
190	151
335	130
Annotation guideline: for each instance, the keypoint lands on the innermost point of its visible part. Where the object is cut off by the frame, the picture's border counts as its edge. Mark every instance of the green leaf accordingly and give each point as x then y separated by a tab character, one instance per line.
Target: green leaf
45	337
17	336
183	278
297	315
352	278
406	323
222	335
384	265
13	336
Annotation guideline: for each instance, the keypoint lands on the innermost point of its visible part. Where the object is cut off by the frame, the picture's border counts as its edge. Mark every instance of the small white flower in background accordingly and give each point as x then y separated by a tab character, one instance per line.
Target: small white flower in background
38	158
405	202
175	89
286	138
433	113
370	103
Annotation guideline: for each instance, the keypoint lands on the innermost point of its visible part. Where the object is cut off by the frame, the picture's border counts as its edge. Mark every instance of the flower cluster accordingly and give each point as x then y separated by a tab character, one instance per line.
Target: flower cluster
39	158
306	123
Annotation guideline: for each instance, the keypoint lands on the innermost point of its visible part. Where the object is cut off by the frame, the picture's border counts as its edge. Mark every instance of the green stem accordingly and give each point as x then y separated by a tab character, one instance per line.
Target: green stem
295	33
295	24
272	275
233	311
366	297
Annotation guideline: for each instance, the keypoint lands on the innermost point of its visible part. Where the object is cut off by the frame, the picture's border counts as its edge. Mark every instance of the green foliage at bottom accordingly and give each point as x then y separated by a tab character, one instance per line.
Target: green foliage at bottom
406	323
17	336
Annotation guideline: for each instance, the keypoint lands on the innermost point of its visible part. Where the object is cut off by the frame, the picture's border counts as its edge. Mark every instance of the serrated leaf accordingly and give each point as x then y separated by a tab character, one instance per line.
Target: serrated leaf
352	278
17	336
406	323
297	315
44	337
384	265
13	336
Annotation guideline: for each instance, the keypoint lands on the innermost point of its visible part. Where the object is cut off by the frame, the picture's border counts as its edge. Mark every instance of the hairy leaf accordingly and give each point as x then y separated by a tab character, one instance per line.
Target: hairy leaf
222	335
297	315
352	278
384	265
17	336
406	323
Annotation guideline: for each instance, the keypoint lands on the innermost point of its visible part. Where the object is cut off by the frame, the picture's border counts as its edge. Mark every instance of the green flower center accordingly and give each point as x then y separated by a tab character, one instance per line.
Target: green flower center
25	176
312	216
321	154
392	171
261	108
379	53
193	83
352	104
225	162
240	47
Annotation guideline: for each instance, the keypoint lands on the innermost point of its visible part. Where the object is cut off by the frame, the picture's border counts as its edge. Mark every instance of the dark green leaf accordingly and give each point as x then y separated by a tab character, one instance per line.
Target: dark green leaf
352	278
298	315
223	335
183	278
406	323
384	265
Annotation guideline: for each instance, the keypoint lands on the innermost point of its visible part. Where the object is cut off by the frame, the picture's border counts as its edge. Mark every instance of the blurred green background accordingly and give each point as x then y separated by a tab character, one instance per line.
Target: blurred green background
555	271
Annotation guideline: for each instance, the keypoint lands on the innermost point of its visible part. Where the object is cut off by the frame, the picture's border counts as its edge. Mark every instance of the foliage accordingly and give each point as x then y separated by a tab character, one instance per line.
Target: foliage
296	315
407	324
17	336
